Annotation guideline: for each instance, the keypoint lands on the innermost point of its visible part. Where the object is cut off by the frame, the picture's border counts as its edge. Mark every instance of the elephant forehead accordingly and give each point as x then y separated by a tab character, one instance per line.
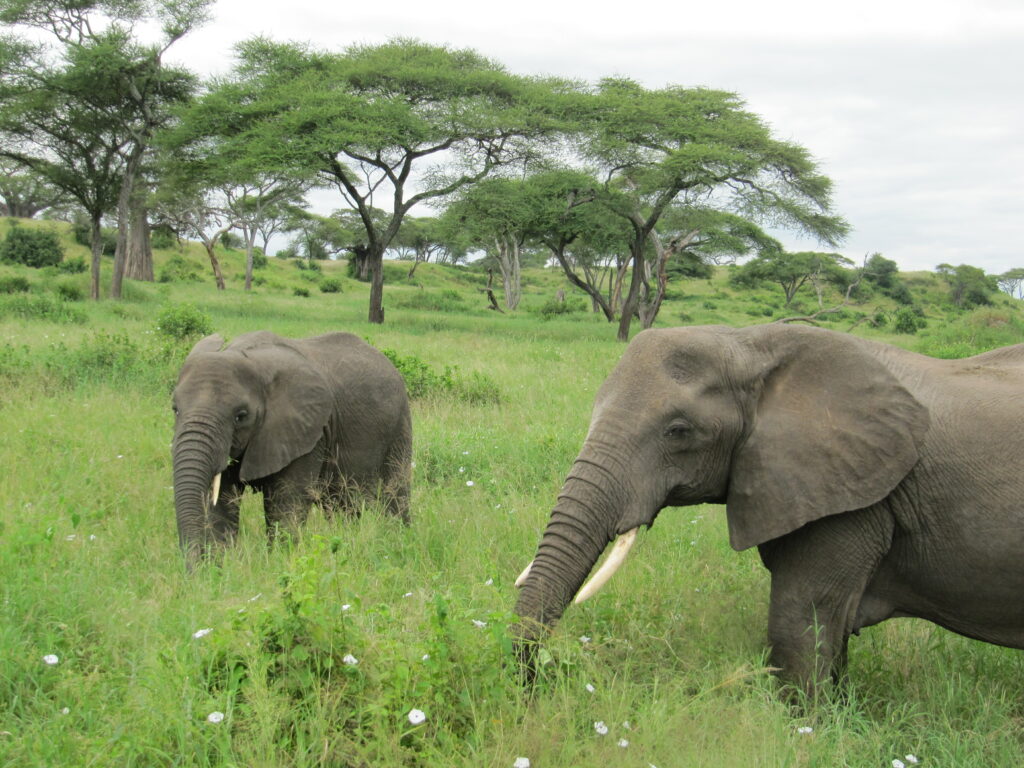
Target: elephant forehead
218	373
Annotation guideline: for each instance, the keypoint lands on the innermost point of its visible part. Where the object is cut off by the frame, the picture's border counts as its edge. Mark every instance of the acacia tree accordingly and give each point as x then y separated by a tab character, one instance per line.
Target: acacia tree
689	147
193	211
125	85
24	194
391	125
1012	282
790	271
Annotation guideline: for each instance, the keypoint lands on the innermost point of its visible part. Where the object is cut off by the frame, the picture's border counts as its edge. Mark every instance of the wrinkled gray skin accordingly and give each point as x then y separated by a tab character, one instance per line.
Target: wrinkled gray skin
875	482
324	419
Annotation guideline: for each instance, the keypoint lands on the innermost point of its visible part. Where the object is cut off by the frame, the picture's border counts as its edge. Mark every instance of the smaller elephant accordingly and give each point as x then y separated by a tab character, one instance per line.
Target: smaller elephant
324	419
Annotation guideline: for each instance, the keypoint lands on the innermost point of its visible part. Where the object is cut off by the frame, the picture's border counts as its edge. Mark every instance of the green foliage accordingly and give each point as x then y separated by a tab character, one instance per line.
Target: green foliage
330	285
906	320
554	308
31	247
14	284
972	333
968	286
259	261
163	238
73	266
179	269
81	231
70	291
41	307
301	292
433	301
183	322
422	381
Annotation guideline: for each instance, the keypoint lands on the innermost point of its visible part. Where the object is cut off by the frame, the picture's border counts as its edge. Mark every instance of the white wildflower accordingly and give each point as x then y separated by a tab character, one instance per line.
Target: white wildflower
215	717
626	725
426	657
912	759
70	537
590	688
65	711
462	469
346	606
805	729
488	582
255	597
202	632
349	659
407	594
521	762
897	763
584	639
623	743
51	659
469	483
479	624
600	727
416	716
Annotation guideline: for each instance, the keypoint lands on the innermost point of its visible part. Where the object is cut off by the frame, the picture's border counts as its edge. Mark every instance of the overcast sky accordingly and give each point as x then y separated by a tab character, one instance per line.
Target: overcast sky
915	109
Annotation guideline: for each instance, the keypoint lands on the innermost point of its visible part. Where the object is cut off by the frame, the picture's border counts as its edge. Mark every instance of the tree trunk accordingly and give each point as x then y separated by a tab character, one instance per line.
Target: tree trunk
250	244
209	245
629	306
96	239
375	263
139	265
597	300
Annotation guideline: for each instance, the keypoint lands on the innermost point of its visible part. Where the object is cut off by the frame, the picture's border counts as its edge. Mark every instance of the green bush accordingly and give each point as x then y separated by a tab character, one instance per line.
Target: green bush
115	359
183	321
81	231
178	269
303	292
259	261
70	292
32	247
14	284
553	307
423	381
43	307
433	301
163	238
330	285
905	320
75	266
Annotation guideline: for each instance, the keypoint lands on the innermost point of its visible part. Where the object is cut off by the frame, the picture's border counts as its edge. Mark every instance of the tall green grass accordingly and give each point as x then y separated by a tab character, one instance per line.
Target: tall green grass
670	657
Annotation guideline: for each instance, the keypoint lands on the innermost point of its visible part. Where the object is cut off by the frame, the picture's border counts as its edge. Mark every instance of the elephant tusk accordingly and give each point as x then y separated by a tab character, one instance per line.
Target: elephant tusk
215	491
618	555
522	576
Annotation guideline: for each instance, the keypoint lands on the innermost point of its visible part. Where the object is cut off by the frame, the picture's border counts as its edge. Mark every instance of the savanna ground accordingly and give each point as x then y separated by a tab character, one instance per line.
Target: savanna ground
670	657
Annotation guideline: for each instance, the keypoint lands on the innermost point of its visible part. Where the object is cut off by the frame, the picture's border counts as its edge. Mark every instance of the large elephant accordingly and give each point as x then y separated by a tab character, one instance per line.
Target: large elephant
875	482
324	419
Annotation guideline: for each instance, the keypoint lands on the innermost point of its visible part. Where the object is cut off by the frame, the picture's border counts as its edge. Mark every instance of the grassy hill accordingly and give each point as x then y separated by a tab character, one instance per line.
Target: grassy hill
674	657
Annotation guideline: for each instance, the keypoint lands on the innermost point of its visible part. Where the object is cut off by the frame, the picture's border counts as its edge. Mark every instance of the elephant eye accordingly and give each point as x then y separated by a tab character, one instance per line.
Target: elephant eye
677	429
174	409
241	415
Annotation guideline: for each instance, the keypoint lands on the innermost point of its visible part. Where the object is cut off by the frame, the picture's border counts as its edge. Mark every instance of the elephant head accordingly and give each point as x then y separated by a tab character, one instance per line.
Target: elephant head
256	406
784	425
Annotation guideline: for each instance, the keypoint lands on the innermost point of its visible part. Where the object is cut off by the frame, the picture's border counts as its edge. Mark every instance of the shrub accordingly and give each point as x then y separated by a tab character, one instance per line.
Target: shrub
183	321
423	381
14	284
259	261
42	307
553	307
31	247
70	292
117	359
710	305
75	266
444	301
330	285
163	238
905	320
178	269
81	231
303	292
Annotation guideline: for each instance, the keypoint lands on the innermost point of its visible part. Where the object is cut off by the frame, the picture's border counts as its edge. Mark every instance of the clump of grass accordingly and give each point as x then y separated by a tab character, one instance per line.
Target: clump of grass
422	381
432	301
41	307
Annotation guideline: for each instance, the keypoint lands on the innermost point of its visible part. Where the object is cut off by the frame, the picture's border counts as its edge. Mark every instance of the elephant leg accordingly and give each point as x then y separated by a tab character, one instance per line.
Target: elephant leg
818	576
288	495
397	479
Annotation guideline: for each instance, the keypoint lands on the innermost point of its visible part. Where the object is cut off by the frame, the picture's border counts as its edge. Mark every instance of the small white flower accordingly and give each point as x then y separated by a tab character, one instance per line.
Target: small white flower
897	763
584	639
215	717
202	632
345	607
600	727
407	594
416	716
255	597
488	582
120	456
70	537
51	659
590	688
349	659
462	469
92	537
626	725
913	759
66	711
426	656
469	483
521	762
805	729
478	623
623	743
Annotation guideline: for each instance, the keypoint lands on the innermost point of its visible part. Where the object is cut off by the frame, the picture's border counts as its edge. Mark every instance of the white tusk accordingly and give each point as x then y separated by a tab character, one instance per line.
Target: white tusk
215	491
609	567
522	576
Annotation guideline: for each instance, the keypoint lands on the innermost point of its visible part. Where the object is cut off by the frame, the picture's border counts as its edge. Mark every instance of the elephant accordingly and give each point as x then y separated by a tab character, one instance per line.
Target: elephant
875	482
323	419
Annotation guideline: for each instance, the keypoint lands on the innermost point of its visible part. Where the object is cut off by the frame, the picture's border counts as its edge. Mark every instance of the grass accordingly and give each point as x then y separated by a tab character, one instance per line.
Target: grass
92	573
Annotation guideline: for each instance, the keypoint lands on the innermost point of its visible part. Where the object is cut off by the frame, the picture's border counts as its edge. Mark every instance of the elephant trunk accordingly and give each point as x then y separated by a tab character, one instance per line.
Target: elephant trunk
199	454
584	521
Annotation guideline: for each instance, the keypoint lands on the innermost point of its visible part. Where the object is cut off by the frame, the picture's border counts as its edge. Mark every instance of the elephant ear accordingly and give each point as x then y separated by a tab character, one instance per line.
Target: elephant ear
833	431
298	404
